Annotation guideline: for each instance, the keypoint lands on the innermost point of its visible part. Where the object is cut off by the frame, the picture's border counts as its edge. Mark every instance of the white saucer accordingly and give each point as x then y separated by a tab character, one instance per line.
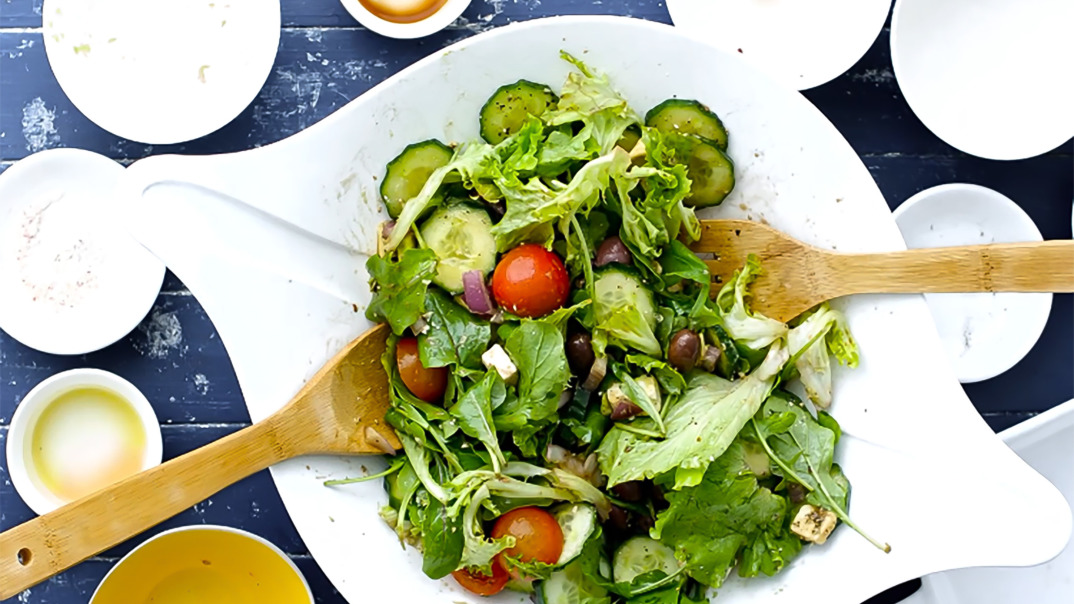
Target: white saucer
992	79
161	72
71	279
802	44
985	334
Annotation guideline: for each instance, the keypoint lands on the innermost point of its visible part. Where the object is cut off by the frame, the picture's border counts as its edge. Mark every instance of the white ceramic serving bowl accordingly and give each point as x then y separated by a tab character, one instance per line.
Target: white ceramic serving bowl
1046	442
435	22
308	207
802	44
161	72
984	334
23	476
204	563
989	77
72	281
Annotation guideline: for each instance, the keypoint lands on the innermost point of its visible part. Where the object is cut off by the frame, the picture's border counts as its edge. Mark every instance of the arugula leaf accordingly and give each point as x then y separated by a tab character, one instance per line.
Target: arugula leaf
708	525
668	595
442	541
474	412
769	552
700	427
399	298
639	396
537	349
679	264
469	162
455	335
803	451
753	331
671	381
420	461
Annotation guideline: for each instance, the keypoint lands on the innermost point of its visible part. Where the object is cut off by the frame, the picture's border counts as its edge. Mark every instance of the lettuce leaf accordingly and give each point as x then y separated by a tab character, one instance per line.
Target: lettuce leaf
537	349
753	331
700	427
588	97
401	284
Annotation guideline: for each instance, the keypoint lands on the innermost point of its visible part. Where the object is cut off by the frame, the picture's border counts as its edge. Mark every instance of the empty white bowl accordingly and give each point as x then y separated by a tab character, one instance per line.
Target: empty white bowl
802	44
161	72
84	438
991	78
438	19
984	334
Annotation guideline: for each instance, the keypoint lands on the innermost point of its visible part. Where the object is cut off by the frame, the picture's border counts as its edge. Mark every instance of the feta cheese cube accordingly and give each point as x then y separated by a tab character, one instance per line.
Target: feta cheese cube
813	524
496	358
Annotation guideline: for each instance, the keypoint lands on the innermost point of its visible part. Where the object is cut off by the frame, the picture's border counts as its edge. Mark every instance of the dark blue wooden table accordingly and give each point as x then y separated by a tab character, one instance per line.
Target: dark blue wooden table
325	60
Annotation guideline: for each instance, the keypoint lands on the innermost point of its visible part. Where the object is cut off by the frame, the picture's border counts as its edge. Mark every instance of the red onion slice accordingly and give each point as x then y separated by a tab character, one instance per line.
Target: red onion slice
476	294
709	358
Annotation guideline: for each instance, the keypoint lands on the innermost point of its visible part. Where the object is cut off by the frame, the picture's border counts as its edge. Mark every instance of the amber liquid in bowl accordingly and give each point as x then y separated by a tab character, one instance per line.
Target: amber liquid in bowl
403	11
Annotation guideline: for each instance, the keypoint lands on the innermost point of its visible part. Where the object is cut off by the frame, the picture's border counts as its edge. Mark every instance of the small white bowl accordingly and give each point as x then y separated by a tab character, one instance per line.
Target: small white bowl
72	281
204	563
992	79
24	477
161	72
802	44
984	334
444	16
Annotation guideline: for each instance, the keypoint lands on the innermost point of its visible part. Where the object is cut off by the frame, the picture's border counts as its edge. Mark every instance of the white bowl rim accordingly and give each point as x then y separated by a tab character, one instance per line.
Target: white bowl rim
1011	211
444	16
29	409
210	527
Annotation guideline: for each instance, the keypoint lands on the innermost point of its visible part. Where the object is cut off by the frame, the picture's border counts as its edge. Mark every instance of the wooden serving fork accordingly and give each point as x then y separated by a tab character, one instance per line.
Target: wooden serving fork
796	276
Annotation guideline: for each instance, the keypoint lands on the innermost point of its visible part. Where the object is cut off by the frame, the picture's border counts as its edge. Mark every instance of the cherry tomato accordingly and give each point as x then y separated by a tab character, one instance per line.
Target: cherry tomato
530	281
537	535
483	585
425	383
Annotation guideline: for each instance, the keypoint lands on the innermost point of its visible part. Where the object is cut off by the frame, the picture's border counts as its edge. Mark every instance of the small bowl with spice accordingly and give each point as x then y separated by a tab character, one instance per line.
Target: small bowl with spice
405	19
72	281
77	432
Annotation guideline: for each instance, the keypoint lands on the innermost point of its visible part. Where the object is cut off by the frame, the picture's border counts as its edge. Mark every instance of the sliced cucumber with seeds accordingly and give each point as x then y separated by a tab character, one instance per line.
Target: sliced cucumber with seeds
508	107
461	237
688	117
577	521
711	172
407	173
640	555
570	585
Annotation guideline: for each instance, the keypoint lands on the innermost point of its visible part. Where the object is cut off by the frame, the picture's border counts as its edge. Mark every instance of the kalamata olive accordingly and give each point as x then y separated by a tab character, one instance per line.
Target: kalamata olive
611	250
657	495
618	518
684	349
796	492
646	523
624	410
632	491
580	353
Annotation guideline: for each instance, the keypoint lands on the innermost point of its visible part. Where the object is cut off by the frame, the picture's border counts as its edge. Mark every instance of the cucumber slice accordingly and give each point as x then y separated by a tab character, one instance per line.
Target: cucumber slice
729	365
407	173
570	585
640	555
617	286
461	237
508	107
711	172
688	117
577	521
630	138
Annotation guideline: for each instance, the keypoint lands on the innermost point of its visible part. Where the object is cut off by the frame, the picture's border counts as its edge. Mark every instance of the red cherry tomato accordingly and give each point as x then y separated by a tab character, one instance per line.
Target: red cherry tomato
537	535
530	281
483	585
428	384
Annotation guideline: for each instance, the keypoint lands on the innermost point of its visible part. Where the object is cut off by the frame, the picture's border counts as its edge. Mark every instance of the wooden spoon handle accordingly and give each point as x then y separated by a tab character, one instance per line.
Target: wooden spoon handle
50	544
1041	266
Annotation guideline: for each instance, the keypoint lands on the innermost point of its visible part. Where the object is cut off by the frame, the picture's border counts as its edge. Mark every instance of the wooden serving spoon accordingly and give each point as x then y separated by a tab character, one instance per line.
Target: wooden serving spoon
341	409
797	276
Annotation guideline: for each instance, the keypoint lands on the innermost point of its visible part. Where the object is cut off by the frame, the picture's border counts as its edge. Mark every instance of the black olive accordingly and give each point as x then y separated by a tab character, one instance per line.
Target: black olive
580	353
684	349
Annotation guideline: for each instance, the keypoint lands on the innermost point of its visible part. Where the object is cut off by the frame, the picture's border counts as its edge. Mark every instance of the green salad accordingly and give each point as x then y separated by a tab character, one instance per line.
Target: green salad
583	414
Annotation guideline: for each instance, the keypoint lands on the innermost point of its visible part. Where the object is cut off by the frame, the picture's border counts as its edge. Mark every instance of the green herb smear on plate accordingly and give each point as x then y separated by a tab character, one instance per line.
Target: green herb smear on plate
580	417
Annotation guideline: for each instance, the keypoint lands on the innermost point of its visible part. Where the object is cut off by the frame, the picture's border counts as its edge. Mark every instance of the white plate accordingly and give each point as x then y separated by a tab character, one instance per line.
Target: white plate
1046	442
802	44
991	78
71	280
315	194
161	72
984	334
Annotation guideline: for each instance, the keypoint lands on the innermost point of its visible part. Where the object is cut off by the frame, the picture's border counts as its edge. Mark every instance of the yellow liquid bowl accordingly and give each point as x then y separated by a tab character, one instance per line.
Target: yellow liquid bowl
204	565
